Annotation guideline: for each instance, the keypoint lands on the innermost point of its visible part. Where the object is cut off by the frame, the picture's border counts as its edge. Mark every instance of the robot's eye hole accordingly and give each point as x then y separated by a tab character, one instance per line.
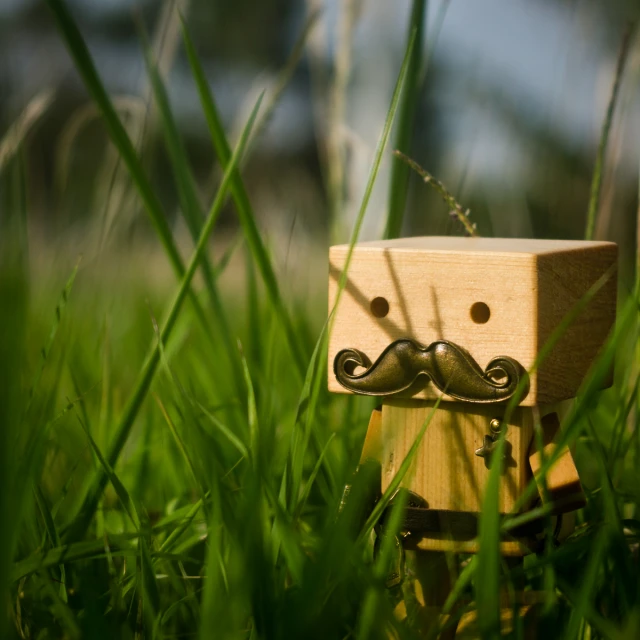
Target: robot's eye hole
379	307
480	312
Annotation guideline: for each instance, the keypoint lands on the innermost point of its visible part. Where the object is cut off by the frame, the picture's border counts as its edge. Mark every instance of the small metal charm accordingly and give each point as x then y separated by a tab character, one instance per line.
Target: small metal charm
495	426
490	441
487	448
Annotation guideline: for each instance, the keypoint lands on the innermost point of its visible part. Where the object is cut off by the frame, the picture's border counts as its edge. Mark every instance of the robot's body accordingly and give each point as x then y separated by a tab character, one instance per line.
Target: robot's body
449	330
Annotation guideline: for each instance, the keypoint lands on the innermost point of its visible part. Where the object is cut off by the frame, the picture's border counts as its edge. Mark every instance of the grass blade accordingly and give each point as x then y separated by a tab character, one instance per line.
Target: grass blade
119	488
487	576
226	432
70	553
382	504
175	535
371	604
179	442
284	77
13	313
62	611
583	598
373	174
19	130
596	182
53	535
461	584
407	111
119	137
252	410
454	206
243	207
150	592
84	64
587	394
60	307
123	428
313	474
190	206
303	432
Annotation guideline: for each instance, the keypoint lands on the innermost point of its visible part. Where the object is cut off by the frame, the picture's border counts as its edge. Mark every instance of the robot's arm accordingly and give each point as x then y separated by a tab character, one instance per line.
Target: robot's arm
563	483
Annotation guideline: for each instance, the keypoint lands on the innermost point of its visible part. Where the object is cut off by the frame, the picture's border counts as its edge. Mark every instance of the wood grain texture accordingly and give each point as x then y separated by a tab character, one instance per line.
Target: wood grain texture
445	471
563	278
431	284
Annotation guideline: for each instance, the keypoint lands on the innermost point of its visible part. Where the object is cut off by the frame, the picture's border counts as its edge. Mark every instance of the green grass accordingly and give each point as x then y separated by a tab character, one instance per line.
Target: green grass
172	464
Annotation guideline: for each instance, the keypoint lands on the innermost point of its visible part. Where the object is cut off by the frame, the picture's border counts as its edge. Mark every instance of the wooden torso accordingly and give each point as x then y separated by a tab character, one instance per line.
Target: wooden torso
446	472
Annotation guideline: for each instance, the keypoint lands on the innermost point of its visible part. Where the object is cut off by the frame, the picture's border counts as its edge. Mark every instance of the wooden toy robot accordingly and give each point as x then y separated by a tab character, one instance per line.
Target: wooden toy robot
463	320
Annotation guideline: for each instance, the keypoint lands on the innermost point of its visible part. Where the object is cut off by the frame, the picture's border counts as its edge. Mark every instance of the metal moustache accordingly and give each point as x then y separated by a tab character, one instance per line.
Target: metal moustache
450	367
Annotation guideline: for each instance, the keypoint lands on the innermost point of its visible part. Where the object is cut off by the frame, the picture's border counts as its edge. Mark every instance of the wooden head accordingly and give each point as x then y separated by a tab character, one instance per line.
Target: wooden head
490	296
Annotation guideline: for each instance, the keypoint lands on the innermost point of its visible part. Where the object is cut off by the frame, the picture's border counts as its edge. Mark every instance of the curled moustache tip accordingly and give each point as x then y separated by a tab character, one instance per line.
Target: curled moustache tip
500	377
348	360
505	372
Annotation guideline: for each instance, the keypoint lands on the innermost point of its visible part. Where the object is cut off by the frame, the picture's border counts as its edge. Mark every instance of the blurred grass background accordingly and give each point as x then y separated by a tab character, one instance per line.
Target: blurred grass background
171	462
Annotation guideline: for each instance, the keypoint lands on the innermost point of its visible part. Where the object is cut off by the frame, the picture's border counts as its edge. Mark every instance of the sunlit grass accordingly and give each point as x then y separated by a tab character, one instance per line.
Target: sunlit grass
175	470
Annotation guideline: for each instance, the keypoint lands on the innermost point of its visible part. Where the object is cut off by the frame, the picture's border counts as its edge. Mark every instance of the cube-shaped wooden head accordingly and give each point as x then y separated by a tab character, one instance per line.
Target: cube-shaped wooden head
469	309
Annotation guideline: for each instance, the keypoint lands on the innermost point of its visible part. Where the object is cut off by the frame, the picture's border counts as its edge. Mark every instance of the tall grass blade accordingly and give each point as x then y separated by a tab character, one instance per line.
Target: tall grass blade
587	396
226	432
124	426
191	208
592	570
398	188
243	207
303	432
312	476
179	442
371	604
60	307
119	545
13	325
252	410
464	580
53	535
620	557
596	182
85	66
312	381
119	488
284	78
373	174
19	130
256	337
150	591
176	534
213	621
84	63
283	527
